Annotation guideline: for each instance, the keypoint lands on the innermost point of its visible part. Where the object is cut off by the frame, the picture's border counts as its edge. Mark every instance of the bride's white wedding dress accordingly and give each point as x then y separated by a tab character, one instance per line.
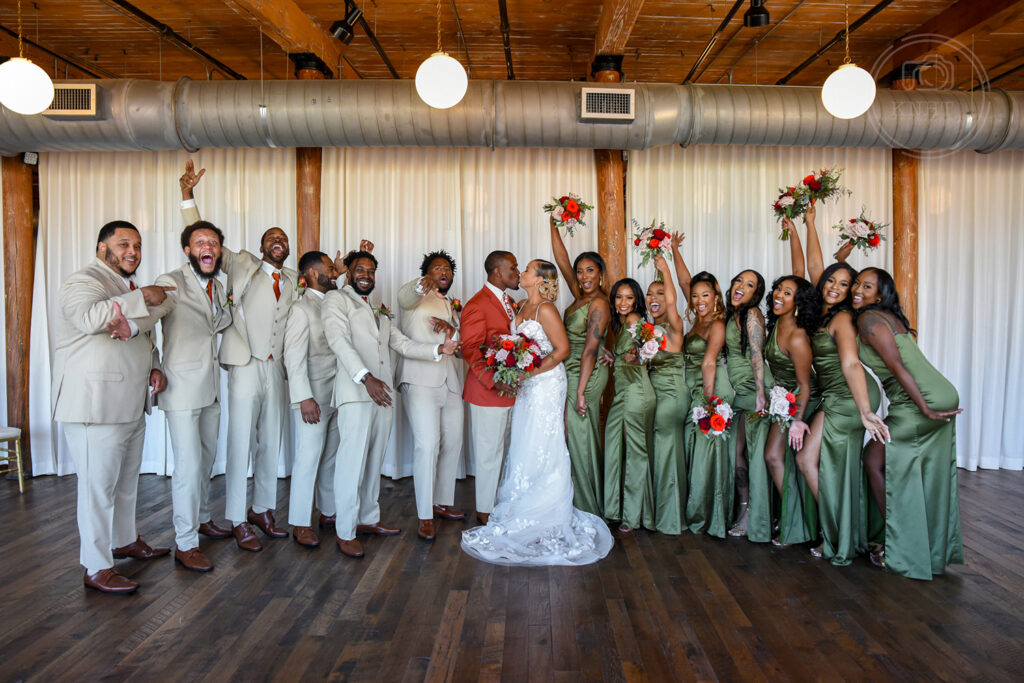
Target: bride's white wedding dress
534	521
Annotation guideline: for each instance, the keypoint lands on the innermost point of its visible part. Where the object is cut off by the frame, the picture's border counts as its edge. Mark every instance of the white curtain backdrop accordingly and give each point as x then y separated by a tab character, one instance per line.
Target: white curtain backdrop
971	320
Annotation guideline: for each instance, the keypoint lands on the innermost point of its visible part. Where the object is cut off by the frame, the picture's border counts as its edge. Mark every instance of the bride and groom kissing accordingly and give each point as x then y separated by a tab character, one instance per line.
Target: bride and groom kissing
526	513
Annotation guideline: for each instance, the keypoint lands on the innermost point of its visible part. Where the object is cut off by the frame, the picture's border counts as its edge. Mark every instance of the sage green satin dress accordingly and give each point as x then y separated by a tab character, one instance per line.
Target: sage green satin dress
583	434
628	443
842	497
798	519
744	402
668	459
922	504
710	461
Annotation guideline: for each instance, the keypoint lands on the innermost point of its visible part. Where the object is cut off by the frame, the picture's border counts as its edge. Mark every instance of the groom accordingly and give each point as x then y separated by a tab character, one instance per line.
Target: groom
488	313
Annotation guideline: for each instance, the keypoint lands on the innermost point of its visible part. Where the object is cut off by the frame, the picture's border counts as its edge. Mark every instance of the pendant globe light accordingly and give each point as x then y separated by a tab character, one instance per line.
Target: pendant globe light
849	91
24	87
441	81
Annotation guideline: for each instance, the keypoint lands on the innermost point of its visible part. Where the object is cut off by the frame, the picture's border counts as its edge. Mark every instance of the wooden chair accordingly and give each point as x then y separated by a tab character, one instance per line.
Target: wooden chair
10	456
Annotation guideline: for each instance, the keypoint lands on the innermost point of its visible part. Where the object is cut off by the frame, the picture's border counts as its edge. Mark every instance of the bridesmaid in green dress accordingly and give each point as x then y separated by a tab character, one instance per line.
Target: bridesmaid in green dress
710	459
586	321
628	493
793	312
744	353
668	459
913	476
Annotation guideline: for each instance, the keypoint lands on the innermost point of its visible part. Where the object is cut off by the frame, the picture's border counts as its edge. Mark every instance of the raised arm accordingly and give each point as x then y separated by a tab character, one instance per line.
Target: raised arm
548	316
599	315
849	359
562	259
796	251
815	262
682	272
675	320
755	342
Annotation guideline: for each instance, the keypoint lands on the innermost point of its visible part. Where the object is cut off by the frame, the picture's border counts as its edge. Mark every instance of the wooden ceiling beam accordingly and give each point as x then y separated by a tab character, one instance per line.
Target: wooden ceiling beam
293	30
614	26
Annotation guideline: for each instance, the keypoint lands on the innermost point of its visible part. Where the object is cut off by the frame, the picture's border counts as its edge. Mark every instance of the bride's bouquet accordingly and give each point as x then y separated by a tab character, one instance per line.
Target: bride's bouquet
648	340
714	418
568	211
511	356
782	406
792	202
651	241
861	232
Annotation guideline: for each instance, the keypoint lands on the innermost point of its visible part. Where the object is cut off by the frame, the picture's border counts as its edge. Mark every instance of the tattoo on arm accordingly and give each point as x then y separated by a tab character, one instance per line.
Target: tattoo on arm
595	325
755	342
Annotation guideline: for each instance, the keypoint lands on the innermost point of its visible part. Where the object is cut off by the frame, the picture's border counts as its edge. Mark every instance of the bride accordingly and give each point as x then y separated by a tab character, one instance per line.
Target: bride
534	521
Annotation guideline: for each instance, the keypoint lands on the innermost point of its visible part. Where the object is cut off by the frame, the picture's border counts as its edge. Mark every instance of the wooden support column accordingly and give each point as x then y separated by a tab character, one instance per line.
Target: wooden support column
904	218
611	193
308	169
19	264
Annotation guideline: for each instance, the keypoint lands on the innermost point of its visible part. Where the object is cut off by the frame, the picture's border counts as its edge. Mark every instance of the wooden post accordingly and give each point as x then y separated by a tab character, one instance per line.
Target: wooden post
904	218
611	192
308	168
19	266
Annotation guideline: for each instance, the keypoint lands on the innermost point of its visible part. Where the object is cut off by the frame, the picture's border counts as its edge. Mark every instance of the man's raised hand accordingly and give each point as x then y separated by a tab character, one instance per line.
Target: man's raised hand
189	179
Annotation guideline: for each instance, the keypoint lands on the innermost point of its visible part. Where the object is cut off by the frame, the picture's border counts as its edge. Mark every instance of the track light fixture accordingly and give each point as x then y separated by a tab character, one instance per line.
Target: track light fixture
757	15
344	29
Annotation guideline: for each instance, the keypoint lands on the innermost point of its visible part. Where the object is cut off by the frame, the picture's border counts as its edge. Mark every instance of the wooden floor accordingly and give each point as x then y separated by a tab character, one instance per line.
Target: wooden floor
658	608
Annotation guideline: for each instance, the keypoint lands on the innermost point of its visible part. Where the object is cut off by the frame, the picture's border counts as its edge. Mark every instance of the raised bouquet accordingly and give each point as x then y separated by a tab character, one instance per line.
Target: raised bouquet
782	406
714	418
648	339
511	356
861	232
824	185
568	211
650	241
792	202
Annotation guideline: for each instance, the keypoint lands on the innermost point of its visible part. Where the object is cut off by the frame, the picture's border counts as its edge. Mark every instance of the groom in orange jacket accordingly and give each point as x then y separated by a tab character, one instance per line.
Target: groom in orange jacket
490	312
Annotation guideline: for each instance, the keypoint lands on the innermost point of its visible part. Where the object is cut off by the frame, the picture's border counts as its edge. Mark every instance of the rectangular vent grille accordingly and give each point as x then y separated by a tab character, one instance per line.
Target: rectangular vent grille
73	100
607	104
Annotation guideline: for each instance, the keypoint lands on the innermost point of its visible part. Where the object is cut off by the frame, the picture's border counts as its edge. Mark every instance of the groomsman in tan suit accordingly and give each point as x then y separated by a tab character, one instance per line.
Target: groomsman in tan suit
104	368
432	392
191	401
261	291
362	338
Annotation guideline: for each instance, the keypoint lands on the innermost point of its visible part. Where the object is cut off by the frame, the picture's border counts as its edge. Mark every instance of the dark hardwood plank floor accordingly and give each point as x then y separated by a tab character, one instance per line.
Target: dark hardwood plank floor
658	608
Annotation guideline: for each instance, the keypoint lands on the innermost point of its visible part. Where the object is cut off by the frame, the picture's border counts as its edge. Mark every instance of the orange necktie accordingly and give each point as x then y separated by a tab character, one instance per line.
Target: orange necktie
277	286
131	286
209	290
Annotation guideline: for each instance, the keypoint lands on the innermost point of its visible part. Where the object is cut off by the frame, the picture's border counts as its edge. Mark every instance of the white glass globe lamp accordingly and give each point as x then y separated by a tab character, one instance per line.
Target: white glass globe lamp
441	81
848	92
24	87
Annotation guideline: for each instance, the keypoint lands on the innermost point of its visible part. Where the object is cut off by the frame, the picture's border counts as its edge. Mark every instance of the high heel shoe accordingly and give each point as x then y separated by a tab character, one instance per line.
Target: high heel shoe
818	552
740	527
877	557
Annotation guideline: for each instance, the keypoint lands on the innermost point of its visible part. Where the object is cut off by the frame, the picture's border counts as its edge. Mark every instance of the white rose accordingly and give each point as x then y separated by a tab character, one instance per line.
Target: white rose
861	229
501	355
725	410
650	348
786	201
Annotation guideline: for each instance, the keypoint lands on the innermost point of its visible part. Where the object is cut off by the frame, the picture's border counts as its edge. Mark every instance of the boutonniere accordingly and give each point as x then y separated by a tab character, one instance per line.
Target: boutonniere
301	284
516	305
456	305
229	302
384	311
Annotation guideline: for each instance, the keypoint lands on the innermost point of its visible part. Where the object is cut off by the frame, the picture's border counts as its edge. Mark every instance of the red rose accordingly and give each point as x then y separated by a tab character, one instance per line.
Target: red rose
571	206
490	361
704	424
715	400
577	215
791	397
660	234
874	240
853	220
792	410
510	360
648	326
777	207
563	199
814	185
718	423
654	243
637	241
508	344
662	344
566	216
809	179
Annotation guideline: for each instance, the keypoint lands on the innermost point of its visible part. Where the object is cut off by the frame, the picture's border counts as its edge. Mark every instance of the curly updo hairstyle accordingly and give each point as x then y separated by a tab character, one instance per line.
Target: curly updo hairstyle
547	272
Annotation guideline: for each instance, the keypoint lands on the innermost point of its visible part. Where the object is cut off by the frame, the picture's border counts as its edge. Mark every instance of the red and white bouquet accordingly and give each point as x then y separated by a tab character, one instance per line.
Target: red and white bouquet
511	356
714	418
782	406
861	232
648	339
824	184
568	211
650	241
792	202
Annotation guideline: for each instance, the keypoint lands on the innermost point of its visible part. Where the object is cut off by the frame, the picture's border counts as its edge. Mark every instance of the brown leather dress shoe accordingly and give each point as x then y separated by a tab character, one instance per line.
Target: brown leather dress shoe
351	548
139	550
192	559
265	521
378	529
245	537
482	517
109	581
304	535
426	530
445	512
211	530
327	521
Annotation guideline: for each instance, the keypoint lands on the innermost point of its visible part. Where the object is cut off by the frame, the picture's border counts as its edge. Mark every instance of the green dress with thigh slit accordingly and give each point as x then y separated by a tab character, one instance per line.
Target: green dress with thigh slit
668	459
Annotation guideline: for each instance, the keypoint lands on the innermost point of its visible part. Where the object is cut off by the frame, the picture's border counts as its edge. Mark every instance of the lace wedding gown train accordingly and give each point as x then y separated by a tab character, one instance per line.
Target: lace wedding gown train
534	521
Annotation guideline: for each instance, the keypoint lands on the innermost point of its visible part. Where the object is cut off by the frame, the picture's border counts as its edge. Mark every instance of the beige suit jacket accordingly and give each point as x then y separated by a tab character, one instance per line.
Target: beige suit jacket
309	360
362	339
190	341
97	379
416	311
240	267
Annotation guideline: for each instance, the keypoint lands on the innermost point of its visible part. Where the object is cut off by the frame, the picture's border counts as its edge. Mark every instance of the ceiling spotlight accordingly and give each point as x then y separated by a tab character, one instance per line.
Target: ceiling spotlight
757	15
344	29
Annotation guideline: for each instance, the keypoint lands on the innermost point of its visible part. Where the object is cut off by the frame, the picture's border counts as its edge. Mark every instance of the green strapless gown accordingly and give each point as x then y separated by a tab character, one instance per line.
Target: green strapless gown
628	443
583	434
668	459
744	402
922	505
798	521
842	498
710	461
